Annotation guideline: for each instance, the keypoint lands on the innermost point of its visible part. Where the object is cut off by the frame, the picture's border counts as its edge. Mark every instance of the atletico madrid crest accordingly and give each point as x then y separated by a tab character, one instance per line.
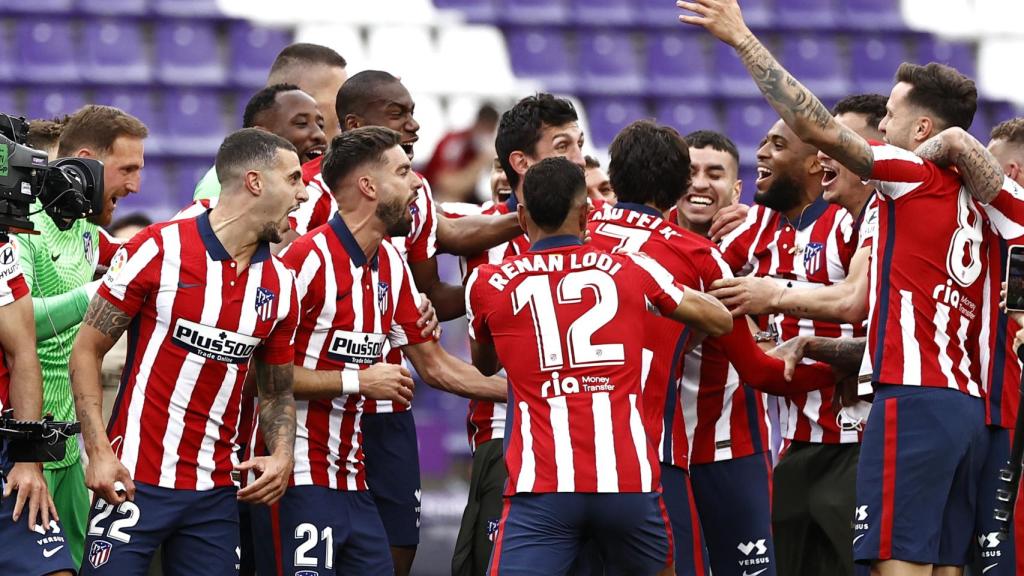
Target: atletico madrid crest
813	257
383	289
264	303
99	553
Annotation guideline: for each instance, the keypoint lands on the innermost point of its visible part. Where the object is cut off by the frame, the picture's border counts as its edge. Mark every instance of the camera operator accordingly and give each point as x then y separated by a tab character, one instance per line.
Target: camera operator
24	488
59	266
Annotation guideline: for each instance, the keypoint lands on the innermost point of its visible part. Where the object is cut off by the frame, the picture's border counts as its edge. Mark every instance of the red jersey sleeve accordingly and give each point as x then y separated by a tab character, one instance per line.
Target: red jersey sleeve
108	247
736	245
278	347
477	295
897	172
404	330
316	211
657	284
12	281
1006	211
134	272
421	243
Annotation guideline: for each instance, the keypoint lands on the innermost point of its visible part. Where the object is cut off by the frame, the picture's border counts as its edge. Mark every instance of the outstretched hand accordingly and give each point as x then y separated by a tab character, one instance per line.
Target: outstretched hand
722	18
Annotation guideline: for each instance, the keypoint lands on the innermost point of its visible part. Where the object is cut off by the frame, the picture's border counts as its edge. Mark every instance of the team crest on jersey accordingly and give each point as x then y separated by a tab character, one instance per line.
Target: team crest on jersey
87	245
264	304
383	289
99	553
492	529
813	256
306	573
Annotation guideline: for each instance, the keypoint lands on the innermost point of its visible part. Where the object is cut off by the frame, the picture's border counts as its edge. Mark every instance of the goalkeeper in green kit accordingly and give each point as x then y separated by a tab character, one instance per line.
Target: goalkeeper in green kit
59	266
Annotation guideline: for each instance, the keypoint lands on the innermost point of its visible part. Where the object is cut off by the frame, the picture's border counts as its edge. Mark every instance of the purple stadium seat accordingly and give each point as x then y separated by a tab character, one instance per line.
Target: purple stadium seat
114	51
871	15
609	64
542	54
688	115
874	60
748	174
533	12
609	115
186	8
747	122
113	7
50	102
155	197
188	53
483	11
44	51
603	12
959	55
814	59
659	13
999	111
678	64
801	14
36	6
143	105
253	49
7	63
730	77
758	13
195	123
9	101
188	173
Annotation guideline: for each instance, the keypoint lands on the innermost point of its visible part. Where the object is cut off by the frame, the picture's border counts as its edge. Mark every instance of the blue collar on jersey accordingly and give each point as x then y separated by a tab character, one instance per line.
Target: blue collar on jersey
348	241
809	216
217	250
552	242
639	208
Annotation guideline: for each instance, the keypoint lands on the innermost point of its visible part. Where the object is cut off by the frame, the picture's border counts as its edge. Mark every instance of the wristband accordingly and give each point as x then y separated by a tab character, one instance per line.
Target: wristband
349	382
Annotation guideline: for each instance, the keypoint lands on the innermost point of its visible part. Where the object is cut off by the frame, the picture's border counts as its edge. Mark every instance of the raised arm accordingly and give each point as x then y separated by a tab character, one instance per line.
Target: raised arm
471	235
441	370
796	105
979	169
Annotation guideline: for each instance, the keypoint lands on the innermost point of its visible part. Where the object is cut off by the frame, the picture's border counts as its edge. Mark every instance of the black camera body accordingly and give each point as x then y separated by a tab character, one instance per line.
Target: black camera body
36	440
67	188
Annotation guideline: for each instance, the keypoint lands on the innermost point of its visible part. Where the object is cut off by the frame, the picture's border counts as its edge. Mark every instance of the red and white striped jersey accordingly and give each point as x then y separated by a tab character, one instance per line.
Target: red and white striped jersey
929	270
812	252
197	321
697	406
568	322
350	308
194	209
12	287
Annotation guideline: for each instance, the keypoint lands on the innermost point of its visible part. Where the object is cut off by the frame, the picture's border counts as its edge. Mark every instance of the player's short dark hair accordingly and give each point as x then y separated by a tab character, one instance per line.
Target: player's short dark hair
96	128
589	162
262	101
248	149
359	91
941	90
649	164
521	126
551	188
1011	131
352	149
305	54
715	141
43	134
872	106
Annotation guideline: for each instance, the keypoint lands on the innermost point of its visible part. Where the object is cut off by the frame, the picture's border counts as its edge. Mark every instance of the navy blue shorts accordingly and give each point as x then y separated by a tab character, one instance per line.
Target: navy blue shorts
734	505
318	531
544	533
993	555
198	531
691	554
392	461
30	552
919	475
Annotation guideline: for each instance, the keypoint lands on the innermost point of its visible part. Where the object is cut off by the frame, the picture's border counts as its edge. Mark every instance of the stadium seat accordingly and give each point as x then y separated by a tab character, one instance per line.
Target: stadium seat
871	15
114	51
688	115
142	104
729	76
814	59
874	61
658	13
253	49
9	102
748	174
481	49
603	12
678	64
113	7
527	12
37	6
188	53
406	51
45	51
959	55
390	12
608	63
195	123
187	173
746	123
483	11
759	14
186	8
802	14
156	193
344	39
53	101
609	115
542	54
430	115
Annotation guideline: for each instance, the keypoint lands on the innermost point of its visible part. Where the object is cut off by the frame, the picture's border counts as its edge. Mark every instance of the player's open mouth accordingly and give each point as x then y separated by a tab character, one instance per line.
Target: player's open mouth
407	147
828	175
763	173
315	152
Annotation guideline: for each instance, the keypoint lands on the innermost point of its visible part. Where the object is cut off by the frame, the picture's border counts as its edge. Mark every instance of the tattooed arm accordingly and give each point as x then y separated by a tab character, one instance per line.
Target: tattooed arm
102	327
981	172
796	105
844	354
277	424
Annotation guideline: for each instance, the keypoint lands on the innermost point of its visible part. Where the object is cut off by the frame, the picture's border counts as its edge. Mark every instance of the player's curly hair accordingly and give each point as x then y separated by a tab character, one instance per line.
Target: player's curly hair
649	164
551	189
521	126
352	149
1011	130
262	101
941	90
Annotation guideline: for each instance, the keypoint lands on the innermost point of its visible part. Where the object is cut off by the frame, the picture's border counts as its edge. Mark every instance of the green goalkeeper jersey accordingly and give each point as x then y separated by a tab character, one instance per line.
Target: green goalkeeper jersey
56	262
